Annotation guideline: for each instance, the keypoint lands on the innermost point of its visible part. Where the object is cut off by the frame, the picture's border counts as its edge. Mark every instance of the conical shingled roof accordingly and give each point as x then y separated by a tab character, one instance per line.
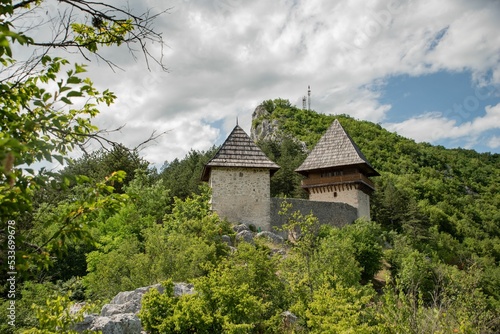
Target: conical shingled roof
336	149
239	151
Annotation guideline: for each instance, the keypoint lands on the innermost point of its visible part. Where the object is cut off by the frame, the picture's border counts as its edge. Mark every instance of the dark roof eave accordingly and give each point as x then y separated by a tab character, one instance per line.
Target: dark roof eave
369	170
372	187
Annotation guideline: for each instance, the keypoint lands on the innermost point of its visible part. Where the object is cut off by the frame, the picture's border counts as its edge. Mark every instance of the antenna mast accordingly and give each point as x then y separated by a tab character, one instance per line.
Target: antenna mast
309	98
304	99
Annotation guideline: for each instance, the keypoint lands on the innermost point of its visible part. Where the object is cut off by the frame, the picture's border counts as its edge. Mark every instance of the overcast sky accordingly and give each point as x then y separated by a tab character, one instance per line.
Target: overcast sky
428	70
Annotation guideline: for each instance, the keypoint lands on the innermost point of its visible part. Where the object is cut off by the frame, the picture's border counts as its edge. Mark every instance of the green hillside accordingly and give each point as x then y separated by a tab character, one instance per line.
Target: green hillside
427	263
425	191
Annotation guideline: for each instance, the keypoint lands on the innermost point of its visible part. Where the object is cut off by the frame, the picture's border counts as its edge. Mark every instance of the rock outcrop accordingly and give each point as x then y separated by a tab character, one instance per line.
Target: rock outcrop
265	128
245	235
271	237
120	315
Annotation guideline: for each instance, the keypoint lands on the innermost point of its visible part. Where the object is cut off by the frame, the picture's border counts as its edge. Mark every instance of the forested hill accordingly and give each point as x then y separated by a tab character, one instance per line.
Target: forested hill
427	263
448	197
445	200
435	214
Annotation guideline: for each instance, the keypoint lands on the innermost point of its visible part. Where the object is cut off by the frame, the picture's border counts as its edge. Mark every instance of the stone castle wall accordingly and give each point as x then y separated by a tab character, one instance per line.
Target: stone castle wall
241	195
330	213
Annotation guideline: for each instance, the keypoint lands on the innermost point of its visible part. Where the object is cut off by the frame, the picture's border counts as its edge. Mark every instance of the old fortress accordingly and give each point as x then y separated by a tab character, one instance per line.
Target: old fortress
336	179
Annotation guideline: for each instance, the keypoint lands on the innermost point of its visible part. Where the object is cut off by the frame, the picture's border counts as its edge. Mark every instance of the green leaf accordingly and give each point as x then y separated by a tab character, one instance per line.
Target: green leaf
59	159
80	68
66	100
46	97
74	80
74	93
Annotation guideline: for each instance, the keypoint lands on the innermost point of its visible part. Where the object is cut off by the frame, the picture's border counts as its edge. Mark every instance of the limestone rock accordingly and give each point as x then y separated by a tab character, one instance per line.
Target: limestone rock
127	301
246	236
120	315
240	227
270	236
262	127
109	310
290	321
183	289
86	323
227	240
118	324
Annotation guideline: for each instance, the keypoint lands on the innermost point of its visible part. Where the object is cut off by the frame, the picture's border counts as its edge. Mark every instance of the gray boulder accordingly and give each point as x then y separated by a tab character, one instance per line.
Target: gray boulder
290	321
120	315
246	236
118	324
86	323
270	236
183	289
128	301
227	240
240	227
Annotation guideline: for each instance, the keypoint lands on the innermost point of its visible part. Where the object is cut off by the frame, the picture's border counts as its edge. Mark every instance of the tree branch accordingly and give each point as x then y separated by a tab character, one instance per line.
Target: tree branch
64	37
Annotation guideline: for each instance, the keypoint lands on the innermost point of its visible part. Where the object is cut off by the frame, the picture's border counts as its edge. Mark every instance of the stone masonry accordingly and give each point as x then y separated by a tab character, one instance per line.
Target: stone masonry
241	195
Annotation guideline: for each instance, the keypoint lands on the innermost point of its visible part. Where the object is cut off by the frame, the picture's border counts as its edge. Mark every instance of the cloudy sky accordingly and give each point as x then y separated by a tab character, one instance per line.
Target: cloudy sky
426	69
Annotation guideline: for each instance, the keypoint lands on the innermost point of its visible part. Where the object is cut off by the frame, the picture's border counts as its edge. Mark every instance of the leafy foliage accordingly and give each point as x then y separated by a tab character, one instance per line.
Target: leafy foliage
341	310
56	317
47	110
241	294
183	177
48	106
437	208
288	154
133	250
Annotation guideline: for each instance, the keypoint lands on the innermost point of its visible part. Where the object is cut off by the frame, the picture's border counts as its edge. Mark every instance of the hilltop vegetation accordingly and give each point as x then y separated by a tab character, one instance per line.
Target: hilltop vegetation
427	263
425	192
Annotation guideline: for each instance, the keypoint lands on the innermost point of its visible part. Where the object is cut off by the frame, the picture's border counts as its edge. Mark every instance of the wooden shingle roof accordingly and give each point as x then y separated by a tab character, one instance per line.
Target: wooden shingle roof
336	149
239	151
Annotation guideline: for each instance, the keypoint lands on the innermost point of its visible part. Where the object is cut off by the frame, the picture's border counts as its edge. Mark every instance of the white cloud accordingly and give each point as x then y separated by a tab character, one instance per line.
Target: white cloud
431	127
494	142
226	56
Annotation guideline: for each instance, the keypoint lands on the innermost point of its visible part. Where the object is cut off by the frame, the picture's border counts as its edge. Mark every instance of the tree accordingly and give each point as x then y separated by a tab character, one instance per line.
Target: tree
48	105
183	177
80	25
101	163
289	154
341	309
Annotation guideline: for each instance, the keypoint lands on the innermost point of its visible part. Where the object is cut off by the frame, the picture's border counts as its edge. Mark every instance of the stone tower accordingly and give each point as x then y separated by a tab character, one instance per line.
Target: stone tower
239	175
337	171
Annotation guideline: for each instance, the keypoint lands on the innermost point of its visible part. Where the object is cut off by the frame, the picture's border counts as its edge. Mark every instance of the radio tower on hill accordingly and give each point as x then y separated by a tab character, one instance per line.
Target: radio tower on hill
309	98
